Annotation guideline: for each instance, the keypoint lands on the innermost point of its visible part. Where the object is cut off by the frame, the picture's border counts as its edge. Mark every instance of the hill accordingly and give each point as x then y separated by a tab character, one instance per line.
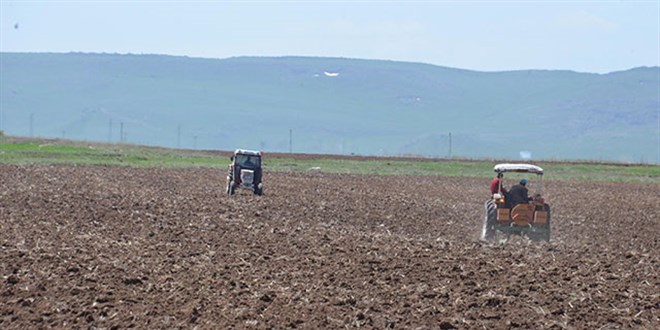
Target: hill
332	106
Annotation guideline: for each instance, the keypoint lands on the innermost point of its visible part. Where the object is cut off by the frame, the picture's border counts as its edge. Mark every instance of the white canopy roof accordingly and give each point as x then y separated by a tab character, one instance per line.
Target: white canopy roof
247	152
525	168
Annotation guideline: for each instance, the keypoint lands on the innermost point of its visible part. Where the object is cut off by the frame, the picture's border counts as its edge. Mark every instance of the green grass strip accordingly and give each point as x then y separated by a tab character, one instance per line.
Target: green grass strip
71	152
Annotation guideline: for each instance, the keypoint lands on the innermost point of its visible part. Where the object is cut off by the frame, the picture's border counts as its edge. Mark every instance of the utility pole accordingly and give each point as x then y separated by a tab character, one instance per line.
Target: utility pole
290	140
449	144
195	142
32	124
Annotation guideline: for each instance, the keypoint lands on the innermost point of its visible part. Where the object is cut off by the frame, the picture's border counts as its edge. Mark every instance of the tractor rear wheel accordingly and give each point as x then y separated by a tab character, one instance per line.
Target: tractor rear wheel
546	234
542	233
231	187
490	221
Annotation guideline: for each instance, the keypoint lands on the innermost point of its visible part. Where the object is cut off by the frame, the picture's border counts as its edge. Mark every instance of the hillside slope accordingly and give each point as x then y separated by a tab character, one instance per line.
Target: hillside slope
332	105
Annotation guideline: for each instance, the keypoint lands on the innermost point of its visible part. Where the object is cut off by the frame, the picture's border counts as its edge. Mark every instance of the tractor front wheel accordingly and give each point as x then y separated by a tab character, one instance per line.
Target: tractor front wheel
231	187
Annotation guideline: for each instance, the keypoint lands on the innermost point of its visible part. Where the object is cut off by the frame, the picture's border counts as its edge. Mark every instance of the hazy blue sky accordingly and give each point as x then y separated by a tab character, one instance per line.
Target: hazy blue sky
586	36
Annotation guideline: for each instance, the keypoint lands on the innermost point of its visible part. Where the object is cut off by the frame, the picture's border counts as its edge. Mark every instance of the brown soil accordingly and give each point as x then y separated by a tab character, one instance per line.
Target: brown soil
115	248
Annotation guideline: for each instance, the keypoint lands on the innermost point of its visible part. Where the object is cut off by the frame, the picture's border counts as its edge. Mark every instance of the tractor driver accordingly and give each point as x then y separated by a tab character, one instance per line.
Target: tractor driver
518	193
248	162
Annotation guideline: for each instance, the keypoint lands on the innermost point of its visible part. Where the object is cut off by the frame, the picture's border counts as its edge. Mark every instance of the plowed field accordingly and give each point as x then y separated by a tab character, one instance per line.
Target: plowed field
115	248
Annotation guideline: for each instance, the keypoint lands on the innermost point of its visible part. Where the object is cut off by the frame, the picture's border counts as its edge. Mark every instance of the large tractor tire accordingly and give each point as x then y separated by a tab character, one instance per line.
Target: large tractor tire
258	191
231	187
546	234
543	233
490	221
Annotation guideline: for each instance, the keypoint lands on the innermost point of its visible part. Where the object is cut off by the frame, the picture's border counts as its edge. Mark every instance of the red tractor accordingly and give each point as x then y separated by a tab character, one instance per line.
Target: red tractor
245	172
507	214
